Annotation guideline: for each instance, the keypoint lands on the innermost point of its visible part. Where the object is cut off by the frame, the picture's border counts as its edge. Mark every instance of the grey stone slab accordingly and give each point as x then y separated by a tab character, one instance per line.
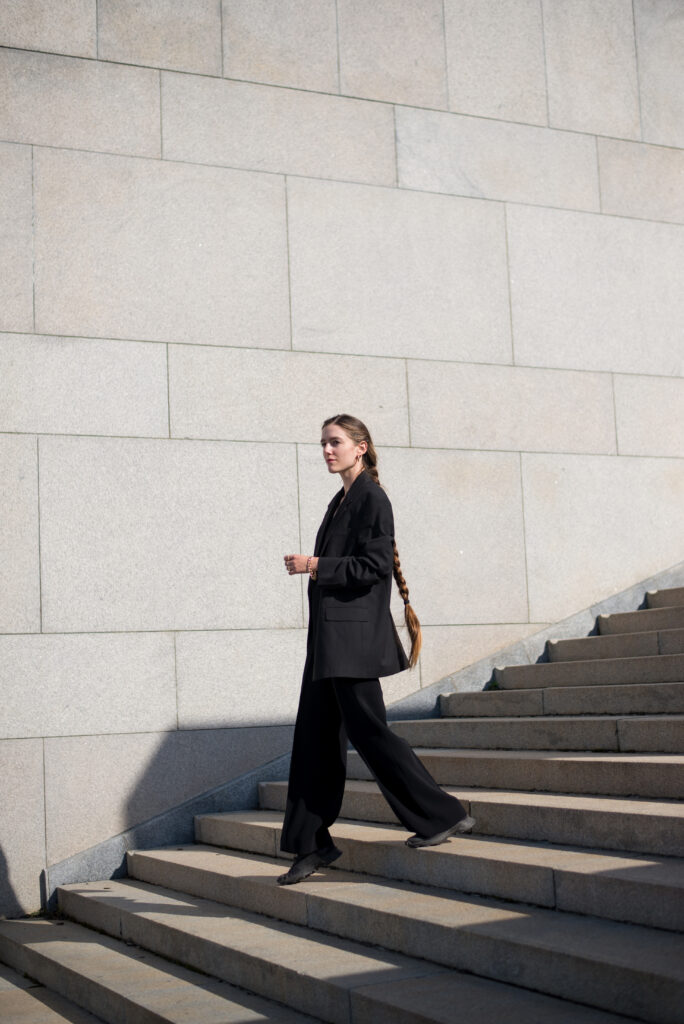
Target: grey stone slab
136	778
570	501
671	641
69	26
449	649
666	734
557	733
492	703
625	645
16	254
495	59
74	685
163	33
293	44
638	698
628	173
22	826
363	261
240	124
659	668
628	277
671	597
116	557
41	1006
487	159
650	413
393	51
660	35
82	386
637	621
173	252
215	391
20	608
591	66
456	405
50	100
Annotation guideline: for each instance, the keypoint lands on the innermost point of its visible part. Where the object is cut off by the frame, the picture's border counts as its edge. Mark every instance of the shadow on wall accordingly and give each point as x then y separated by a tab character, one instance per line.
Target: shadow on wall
9	904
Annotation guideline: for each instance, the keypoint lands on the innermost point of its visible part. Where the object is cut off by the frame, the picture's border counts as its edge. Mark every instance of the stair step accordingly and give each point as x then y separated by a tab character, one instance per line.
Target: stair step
24	1001
625	699
338	979
621	887
121	982
653	733
558	953
661	668
656	776
672	597
644	620
618	645
617	823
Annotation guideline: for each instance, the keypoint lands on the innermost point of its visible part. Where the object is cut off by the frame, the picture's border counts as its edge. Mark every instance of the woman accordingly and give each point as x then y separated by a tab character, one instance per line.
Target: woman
352	641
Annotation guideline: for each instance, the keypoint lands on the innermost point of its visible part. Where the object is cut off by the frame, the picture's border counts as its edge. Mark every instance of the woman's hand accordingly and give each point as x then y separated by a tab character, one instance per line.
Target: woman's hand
297	563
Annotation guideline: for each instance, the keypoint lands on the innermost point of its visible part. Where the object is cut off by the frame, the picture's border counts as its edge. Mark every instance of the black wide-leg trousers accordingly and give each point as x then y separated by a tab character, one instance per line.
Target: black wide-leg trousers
332	712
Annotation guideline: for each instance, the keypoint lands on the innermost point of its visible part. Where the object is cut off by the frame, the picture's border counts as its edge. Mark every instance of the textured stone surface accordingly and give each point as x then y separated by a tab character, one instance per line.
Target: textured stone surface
649	413
660	37
82	386
553	733
70	685
483	578
293	43
131	778
20	608
16	253
41	1006
66	26
639	698
393	50
492	703
64	101
658	668
238	124
215	391
617	498
591	66
159	251
628	171
239	677
383	272
495	59
455	405
471	156
447	649
22	826
619	308
115	556
646	619
163	33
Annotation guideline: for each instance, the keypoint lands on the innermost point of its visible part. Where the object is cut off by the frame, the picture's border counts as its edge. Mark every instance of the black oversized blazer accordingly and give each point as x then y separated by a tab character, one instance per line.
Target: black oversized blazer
351	631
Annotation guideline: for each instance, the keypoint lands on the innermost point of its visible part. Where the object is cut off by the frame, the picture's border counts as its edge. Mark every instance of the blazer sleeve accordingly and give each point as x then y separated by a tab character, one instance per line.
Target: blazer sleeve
374	550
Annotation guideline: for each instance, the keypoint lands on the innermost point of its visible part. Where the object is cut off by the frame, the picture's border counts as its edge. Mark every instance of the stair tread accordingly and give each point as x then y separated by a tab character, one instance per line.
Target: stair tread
596	940
650	869
119	971
350	974
40	1005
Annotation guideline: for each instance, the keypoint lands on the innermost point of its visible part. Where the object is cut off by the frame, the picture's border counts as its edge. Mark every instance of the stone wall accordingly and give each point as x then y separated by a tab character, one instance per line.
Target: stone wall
223	222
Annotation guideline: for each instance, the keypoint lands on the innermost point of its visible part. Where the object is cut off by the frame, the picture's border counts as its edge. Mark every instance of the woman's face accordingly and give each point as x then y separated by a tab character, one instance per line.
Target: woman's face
339	451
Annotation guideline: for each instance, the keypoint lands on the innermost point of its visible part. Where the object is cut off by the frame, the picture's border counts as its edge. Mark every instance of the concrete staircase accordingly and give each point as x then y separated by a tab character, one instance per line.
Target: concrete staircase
566	904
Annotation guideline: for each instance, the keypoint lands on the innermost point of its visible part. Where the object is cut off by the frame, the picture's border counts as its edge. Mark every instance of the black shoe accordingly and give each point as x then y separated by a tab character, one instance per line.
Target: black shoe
310	862
464	825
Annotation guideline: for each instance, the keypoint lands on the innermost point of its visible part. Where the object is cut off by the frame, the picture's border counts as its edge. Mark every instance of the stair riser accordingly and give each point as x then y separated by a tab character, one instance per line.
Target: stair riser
256	974
673	596
665	668
607	734
618	645
659	781
639	698
613	897
629	833
641	621
514	959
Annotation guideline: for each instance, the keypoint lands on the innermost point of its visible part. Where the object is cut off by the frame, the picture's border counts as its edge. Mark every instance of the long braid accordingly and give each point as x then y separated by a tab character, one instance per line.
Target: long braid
358	433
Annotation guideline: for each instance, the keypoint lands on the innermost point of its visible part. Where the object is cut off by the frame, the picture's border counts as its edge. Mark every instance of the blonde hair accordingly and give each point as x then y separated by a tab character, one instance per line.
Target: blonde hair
358	432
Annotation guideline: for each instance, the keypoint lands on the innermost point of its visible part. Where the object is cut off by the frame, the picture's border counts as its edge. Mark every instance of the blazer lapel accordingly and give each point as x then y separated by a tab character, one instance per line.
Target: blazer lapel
339	523
326	519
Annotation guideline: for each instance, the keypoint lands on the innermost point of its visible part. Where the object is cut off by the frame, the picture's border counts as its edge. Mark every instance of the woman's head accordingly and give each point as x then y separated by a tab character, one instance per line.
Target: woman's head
345	440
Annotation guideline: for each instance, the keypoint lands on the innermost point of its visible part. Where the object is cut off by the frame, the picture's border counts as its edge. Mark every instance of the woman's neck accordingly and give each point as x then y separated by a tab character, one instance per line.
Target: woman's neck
348	476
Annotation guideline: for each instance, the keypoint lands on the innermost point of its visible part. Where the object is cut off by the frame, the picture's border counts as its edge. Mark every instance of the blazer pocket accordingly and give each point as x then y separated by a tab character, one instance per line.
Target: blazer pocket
346	613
